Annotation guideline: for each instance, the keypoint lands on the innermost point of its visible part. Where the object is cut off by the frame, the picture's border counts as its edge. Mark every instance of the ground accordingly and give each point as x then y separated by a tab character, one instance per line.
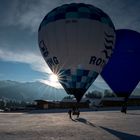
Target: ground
92	125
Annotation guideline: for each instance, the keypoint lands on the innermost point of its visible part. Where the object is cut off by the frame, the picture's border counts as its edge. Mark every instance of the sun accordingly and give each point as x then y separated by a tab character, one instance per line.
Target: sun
52	81
53	78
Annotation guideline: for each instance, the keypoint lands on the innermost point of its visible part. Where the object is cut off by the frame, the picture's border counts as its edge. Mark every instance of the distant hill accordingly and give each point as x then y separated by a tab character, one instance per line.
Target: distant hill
29	91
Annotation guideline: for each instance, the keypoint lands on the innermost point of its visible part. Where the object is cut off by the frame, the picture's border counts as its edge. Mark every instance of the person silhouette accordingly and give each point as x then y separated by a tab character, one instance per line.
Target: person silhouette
70	112
124	106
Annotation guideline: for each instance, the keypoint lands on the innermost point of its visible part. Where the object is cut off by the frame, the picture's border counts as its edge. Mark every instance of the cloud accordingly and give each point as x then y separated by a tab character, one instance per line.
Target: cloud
28	14
52	83
36	62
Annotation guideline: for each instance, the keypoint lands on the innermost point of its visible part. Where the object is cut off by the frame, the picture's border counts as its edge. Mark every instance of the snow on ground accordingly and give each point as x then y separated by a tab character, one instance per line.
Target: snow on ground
93	125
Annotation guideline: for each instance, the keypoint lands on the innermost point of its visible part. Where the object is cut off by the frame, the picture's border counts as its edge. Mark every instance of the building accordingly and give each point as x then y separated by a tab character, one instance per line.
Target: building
45	104
118	101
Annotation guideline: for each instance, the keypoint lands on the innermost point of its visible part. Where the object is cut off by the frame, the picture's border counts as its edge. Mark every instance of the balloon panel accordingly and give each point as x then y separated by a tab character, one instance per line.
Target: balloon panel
78	81
76	11
122	72
86	44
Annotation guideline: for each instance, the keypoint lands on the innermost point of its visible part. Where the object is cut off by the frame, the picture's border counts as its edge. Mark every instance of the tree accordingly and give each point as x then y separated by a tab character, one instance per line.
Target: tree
108	93
94	94
2	104
68	97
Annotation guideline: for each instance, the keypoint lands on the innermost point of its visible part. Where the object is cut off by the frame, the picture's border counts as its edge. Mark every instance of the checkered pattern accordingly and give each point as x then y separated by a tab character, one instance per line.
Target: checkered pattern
79	79
77	11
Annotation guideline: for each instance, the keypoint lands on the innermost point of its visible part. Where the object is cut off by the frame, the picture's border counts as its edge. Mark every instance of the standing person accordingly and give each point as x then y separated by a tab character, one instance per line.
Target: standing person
69	112
124	106
78	113
75	111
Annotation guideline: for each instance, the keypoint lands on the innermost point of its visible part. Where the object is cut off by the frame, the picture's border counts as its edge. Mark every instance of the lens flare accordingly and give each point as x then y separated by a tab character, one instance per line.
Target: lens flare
53	78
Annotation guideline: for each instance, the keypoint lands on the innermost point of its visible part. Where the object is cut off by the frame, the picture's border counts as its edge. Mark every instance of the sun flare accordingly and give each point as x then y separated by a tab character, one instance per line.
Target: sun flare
52	81
53	78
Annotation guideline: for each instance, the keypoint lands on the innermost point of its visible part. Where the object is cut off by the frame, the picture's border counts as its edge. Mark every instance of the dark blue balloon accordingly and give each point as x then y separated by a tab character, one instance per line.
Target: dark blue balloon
122	72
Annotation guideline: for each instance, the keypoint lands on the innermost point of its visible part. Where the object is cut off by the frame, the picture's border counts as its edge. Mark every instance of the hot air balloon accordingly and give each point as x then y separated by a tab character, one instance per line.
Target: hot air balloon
122	72
76	41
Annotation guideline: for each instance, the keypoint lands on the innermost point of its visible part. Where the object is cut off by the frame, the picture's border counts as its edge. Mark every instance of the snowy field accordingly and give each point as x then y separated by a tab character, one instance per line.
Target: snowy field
94	125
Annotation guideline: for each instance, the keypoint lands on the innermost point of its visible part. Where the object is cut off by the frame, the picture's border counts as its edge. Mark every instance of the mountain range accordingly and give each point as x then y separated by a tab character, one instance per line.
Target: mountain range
29	91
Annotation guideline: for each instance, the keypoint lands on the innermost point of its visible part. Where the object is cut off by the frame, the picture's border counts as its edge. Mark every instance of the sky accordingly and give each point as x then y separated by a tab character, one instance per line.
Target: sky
20	57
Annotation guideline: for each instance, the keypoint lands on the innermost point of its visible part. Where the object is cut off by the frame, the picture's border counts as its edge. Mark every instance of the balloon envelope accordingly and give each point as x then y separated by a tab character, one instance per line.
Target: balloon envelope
76	40
122	72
